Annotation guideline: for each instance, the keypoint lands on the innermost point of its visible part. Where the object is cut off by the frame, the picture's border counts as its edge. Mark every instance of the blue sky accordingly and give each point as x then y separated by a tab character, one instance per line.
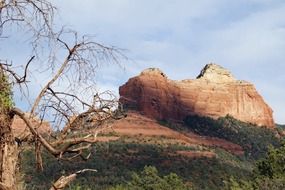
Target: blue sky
181	36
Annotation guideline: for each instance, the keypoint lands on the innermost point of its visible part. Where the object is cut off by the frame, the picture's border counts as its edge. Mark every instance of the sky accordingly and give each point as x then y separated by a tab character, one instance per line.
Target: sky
246	37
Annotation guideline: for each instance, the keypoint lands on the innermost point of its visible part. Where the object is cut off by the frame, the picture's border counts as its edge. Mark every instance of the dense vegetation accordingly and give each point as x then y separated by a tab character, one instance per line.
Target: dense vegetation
149	179
116	161
254	140
5	92
122	164
269	173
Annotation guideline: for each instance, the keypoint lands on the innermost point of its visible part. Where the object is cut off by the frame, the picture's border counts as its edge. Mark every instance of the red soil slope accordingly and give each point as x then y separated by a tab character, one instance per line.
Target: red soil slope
136	124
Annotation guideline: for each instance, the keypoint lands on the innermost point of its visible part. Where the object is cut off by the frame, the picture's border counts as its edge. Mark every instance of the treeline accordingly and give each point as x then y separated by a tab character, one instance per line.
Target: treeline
254	139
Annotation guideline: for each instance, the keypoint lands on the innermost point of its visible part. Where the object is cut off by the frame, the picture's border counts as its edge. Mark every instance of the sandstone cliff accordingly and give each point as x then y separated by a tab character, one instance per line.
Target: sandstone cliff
214	93
20	129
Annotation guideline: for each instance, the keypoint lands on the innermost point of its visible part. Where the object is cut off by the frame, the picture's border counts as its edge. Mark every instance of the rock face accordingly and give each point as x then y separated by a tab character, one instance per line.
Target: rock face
20	129
214	93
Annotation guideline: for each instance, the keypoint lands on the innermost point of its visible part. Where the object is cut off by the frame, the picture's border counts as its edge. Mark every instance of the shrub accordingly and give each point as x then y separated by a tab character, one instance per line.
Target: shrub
269	173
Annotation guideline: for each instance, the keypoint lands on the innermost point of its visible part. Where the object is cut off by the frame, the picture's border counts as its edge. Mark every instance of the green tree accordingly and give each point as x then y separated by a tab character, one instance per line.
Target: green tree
149	179
269	173
273	166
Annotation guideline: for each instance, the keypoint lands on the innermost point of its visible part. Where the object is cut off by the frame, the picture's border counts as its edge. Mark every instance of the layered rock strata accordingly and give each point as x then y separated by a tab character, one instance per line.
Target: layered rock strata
214	93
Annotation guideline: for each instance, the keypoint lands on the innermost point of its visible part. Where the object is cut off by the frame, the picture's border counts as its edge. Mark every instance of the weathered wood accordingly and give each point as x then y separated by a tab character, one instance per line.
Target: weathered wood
8	147
64	181
8	153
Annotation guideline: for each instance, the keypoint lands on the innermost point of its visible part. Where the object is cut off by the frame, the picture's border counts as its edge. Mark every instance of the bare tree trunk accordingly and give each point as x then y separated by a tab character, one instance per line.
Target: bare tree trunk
8	153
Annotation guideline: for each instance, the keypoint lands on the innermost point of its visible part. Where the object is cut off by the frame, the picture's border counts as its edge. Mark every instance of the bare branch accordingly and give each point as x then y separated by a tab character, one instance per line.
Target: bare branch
63	181
55	77
26	69
34	15
78	67
68	96
21	114
62	146
18	79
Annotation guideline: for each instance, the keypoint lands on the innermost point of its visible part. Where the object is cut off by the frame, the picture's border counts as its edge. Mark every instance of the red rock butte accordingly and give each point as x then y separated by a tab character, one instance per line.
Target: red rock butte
19	127
214	93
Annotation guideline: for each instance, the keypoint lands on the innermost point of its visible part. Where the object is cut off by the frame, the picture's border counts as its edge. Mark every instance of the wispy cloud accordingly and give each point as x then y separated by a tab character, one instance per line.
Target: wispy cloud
180	37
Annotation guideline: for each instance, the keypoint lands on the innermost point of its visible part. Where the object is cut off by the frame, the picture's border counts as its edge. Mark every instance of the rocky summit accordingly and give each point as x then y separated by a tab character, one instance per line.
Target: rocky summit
214	93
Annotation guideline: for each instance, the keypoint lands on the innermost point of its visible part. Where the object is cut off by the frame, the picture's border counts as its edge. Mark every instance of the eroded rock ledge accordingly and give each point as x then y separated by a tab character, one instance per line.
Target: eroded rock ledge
214	93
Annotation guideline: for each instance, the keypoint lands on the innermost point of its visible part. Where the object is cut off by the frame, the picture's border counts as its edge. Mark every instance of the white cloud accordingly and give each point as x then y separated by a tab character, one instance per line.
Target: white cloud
180	37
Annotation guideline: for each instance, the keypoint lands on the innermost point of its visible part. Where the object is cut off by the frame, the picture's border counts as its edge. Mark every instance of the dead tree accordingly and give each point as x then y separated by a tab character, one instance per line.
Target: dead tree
68	97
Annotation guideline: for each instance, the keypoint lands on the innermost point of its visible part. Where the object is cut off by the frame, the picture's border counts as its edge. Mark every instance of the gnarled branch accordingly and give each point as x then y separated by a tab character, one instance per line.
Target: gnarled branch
63	181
